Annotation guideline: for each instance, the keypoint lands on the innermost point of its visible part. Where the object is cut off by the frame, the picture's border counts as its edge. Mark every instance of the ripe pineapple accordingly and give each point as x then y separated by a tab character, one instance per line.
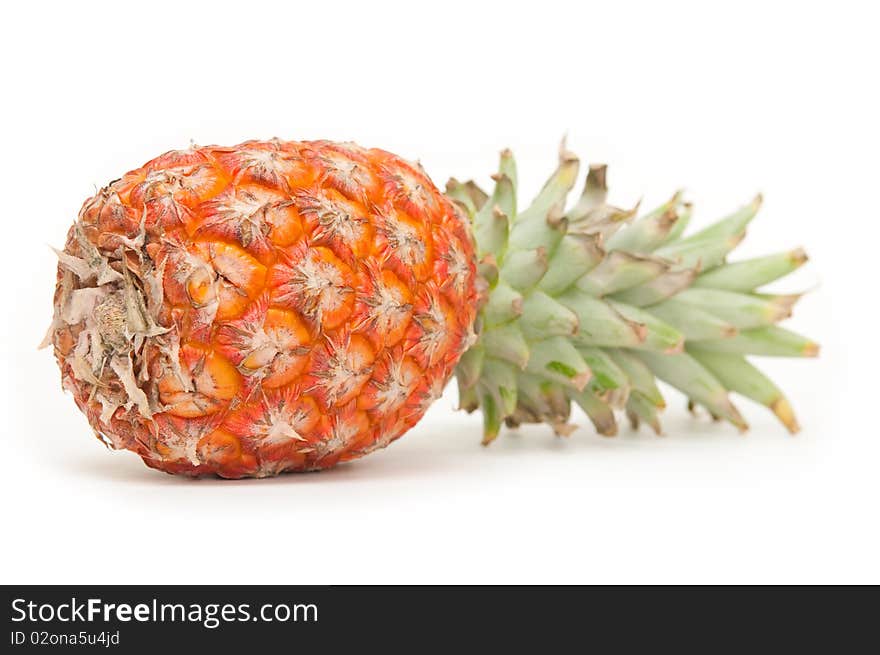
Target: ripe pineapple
281	306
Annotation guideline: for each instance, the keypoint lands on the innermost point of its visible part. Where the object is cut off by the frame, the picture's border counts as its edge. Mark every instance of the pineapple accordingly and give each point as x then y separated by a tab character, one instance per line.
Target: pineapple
284	306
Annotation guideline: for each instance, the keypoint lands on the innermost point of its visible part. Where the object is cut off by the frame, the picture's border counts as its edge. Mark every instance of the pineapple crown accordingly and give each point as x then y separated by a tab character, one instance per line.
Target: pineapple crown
594	303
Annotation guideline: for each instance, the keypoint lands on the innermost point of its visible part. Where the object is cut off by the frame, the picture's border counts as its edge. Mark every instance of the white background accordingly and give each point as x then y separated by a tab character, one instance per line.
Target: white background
775	97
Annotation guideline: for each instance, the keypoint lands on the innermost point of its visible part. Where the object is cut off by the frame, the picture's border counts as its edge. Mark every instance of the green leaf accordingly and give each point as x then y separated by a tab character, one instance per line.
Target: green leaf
544	317
508	343
710	246
692	321
522	269
541	400
693	379
457	191
600	413
599	324
594	194
491	230
684	219
504	305
639	409
621	270
641	379
740	376
538	232
507	166
752	273
741	310
649	231
470	366
551	199
576	255
606	373
657	334
666	285
772	341
557	360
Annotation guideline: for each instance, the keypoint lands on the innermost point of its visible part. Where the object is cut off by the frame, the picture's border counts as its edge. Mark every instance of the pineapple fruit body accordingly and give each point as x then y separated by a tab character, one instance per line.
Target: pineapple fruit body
268	307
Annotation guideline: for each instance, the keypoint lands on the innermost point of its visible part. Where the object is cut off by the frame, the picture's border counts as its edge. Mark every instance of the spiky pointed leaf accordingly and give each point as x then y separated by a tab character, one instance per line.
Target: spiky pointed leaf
507	167
651	230
747	275
639	409
606	373
741	310
557	360
740	376
710	246
594	194
576	255
600	324
666	285
545	317
523	269
658	335
492	229
621	270
470	367
695	381
693	322
458	192
640	378
508	343
599	412
551	198
505	304
772	341
678	230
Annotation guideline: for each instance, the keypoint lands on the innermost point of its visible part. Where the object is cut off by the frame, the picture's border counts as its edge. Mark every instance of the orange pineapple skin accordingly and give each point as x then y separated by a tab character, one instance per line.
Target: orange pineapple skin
272	306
